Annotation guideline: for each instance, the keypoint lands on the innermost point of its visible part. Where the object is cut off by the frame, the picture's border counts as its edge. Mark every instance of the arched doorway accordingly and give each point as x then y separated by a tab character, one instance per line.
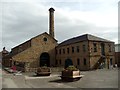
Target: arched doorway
44	59
68	62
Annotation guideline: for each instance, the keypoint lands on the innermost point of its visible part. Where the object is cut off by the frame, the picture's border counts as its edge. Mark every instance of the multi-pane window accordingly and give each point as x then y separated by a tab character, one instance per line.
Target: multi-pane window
72	49
84	48
95	47
59	51
68	50
85	61
109	47
63	51
78	61
77	48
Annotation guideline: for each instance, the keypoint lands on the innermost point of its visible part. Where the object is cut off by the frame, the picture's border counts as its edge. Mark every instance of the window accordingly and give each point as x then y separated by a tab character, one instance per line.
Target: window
45	39
109	47
72	49
78	61
84	48
77	48
68	50
63	51
85	61
59	51
60	62
95	47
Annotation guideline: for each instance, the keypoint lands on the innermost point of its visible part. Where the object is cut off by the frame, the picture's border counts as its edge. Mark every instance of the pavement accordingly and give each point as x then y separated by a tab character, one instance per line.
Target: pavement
101	78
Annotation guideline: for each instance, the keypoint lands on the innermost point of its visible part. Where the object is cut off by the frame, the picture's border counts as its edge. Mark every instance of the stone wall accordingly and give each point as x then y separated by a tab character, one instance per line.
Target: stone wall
95	56
74	56
31	56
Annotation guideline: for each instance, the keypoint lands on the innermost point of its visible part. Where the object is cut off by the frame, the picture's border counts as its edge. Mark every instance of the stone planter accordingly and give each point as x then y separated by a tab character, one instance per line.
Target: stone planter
69	75
43	71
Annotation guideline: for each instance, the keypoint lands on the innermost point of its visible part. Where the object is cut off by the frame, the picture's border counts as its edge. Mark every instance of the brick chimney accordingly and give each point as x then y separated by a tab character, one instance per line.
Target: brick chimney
51	22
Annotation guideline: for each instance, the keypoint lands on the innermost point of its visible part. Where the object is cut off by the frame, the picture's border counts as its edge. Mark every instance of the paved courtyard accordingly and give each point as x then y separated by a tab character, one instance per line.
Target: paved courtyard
102	78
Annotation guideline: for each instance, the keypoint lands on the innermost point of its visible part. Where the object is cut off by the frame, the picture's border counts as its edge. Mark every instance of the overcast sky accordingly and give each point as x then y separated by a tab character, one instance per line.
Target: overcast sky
21	20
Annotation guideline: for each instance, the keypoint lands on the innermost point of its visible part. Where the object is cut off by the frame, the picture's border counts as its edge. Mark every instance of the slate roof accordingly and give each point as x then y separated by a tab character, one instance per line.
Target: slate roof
84	37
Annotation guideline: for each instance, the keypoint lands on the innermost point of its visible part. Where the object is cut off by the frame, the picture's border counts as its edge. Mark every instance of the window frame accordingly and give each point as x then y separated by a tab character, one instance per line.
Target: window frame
95	47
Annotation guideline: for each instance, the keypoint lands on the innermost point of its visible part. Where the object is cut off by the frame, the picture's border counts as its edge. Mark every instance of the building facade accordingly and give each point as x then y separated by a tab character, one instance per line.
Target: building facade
36	52
117	54
6	58
86	52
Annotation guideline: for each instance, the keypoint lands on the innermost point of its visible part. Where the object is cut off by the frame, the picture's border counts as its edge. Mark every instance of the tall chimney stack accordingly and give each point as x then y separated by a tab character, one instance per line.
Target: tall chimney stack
51	22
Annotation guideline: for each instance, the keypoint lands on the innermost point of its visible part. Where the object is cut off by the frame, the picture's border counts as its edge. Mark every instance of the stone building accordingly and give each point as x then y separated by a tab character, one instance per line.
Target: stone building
36	52
117	54
6	58
86	51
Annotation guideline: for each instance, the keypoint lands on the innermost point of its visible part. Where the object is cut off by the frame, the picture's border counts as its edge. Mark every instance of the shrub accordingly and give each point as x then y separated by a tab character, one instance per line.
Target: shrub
71	68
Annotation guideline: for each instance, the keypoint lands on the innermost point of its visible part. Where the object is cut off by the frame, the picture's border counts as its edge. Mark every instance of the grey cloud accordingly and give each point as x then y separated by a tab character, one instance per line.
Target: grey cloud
21	21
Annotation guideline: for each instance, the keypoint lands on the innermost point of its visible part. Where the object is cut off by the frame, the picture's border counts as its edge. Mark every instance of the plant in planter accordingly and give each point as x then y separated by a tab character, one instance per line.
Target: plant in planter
43	71
70	74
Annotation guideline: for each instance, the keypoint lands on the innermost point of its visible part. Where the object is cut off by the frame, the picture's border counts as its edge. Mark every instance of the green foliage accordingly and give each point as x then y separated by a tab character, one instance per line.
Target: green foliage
71	68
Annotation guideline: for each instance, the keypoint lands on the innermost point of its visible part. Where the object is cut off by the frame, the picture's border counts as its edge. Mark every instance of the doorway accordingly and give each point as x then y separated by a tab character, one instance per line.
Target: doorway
68	62
44	59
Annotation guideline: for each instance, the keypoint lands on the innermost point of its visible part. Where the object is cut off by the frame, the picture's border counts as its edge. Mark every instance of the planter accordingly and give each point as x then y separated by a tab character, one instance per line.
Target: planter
43	71
68	75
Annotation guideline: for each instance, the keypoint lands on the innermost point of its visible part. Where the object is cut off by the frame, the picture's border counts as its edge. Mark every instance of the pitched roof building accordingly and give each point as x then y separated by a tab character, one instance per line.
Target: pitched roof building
86	51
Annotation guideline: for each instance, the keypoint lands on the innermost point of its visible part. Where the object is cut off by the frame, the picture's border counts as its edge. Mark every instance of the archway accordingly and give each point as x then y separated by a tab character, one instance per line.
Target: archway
68	62
44	59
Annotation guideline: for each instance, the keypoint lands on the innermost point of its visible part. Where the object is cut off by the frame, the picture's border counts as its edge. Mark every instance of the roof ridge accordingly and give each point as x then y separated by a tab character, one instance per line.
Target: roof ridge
83	38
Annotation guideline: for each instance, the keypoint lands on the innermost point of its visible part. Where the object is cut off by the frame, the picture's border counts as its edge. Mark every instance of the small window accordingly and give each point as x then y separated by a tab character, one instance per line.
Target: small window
45	39
72	49
85	61
63	51
59	51
68	50
95	47
77	48
84	48
78	61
